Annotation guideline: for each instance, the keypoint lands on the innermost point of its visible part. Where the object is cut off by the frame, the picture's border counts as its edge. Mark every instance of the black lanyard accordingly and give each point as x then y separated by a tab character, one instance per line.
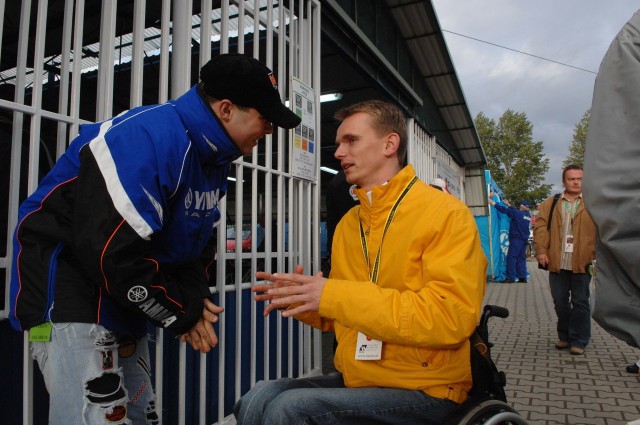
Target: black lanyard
373	273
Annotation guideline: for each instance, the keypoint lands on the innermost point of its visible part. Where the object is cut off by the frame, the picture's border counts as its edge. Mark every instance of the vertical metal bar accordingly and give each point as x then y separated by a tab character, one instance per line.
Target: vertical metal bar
159	348
137	54
316	50
269	25
182	383
63	102
312	201
254	264
180	82
241	26
239	220
299	259
224	26
74	109
2	3
255	210
256	28
165	26
220	288
205	31
163	95
205	55
292	219
16	148
202	380
181	53
36	97
266	332
27	376
104	99
16	151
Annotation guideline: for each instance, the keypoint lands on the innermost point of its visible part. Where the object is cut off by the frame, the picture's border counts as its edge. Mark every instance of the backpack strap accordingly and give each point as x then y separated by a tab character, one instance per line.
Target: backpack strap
553	205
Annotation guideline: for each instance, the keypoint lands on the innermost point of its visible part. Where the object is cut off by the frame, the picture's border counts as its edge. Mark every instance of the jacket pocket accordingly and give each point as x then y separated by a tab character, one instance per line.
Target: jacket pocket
433	359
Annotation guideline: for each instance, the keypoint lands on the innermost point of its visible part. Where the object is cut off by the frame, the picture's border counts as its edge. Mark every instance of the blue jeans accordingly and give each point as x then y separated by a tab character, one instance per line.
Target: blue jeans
325	400
94	376
570	292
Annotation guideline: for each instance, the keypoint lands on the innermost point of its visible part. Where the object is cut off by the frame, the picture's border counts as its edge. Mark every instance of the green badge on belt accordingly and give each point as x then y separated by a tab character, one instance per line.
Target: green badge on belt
40	333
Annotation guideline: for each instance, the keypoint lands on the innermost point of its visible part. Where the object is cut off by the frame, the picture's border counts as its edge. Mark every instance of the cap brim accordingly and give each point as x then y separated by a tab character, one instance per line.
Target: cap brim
280	115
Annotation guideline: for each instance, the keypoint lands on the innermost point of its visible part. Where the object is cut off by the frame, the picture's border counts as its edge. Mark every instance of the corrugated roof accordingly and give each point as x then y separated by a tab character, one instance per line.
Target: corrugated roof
418	22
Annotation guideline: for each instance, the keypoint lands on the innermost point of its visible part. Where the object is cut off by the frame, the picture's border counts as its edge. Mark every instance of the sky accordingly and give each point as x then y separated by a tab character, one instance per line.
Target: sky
554	97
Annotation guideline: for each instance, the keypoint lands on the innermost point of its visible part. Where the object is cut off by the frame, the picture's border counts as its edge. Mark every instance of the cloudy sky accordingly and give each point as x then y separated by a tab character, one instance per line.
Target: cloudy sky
576	33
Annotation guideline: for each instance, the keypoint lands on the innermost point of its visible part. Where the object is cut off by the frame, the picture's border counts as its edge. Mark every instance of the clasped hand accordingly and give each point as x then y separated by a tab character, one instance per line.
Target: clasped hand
292	291
202	336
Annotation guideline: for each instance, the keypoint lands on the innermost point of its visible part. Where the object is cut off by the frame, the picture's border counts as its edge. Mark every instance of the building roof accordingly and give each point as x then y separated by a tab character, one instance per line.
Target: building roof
418	22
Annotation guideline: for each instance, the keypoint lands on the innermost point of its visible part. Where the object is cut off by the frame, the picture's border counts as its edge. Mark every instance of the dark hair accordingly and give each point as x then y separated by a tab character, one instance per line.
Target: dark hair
386	118
570	167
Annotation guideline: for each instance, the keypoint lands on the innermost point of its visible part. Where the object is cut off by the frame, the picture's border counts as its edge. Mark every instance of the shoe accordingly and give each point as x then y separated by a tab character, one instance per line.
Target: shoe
522	280
633	368
577	351
562	345
507	281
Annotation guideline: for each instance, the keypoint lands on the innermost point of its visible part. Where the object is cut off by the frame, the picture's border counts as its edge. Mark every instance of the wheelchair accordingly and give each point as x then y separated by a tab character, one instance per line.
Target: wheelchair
487	401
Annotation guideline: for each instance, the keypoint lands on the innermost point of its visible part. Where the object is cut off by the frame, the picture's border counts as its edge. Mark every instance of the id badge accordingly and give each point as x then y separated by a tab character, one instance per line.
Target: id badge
568	243
368	348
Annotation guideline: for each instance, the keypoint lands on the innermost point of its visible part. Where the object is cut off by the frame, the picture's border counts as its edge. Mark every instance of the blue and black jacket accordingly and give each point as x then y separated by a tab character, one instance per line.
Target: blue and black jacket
114	233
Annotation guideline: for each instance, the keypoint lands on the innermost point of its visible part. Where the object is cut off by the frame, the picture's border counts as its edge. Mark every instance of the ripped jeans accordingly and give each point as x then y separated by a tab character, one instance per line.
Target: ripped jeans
94	376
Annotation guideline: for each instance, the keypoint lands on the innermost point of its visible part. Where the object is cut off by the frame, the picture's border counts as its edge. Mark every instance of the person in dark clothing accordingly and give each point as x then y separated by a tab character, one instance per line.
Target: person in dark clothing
111	240
518	238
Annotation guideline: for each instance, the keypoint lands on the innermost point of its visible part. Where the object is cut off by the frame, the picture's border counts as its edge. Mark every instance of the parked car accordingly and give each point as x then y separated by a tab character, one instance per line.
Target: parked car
245	238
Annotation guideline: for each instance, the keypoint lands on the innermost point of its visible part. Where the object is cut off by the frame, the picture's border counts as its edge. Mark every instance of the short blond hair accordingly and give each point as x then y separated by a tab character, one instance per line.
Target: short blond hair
386	118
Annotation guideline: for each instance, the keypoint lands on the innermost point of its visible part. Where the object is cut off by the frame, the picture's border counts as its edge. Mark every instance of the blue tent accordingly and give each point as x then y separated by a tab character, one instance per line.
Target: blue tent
494	234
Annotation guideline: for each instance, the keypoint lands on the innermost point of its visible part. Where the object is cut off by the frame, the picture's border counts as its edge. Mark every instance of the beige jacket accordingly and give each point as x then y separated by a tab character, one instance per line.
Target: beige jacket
550	242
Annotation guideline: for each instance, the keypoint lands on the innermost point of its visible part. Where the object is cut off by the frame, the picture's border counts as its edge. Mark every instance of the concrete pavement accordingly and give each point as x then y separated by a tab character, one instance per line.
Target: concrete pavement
549	386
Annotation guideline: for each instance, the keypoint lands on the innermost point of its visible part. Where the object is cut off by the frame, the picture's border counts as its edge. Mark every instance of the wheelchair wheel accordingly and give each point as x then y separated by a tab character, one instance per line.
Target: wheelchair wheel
492	412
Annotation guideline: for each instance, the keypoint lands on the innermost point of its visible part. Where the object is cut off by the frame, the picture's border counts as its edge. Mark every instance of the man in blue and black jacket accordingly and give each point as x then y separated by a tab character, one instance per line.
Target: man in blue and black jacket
112	238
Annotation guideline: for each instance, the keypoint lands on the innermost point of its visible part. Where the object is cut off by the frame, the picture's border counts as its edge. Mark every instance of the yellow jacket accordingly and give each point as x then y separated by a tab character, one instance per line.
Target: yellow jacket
428	296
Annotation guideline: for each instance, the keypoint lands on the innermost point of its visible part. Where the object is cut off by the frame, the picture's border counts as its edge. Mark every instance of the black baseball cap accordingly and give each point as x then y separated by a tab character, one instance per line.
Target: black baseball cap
246	82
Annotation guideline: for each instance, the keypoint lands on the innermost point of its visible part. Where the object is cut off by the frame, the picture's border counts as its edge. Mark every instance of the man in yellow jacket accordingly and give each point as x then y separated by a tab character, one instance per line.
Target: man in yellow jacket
404	294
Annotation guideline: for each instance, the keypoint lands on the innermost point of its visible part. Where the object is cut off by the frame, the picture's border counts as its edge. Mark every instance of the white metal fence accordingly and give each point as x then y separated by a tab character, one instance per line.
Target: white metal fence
430	160
60	81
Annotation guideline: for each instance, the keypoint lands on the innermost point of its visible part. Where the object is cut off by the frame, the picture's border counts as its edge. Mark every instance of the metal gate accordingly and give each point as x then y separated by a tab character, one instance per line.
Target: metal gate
430	160
79	61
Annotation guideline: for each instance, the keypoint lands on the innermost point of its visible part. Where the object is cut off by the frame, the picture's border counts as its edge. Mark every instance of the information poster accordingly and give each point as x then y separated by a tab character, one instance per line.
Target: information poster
304	143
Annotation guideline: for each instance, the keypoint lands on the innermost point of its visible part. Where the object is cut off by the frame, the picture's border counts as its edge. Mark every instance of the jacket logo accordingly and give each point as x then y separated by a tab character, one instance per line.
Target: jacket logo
157	312
137	293
273	81
202	201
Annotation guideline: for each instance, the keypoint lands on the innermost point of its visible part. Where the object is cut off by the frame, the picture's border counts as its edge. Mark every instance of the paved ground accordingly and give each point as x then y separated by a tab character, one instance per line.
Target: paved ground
548	386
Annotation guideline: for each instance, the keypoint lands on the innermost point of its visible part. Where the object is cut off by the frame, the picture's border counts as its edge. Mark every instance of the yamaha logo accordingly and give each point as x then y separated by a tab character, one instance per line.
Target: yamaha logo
137	293
188	199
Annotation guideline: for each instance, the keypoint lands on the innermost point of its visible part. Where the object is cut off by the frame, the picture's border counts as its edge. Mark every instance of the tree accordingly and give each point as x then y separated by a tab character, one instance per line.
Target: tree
516	162
576	150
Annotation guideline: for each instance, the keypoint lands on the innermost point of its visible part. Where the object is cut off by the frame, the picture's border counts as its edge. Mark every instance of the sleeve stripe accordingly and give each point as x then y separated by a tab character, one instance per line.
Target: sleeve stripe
116	190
